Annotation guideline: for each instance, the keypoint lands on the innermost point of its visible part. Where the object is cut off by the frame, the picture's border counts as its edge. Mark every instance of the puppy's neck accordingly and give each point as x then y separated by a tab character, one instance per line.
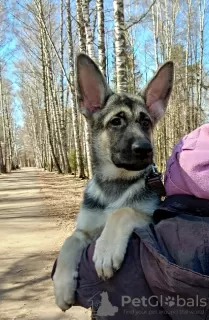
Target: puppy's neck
109	172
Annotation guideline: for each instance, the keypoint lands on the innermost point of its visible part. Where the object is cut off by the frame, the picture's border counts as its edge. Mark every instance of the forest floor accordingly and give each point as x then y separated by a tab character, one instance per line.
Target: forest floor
37	212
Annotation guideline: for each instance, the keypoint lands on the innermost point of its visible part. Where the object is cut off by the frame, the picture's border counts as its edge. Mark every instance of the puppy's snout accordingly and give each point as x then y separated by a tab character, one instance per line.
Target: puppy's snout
142	149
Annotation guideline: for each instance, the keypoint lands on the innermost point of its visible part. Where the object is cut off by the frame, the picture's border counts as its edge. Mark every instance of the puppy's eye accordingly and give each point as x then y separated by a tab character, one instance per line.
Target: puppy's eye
116	122
146	123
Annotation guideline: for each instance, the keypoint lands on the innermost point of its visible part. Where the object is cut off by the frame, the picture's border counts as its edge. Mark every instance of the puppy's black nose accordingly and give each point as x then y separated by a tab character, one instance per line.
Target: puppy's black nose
141	148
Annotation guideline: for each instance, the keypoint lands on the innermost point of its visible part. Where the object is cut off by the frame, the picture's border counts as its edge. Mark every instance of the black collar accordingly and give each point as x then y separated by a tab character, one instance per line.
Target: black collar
178	204
154	181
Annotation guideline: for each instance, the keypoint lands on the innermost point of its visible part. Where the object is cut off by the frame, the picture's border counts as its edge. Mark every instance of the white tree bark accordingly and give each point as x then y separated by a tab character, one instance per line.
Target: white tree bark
101	36
120	45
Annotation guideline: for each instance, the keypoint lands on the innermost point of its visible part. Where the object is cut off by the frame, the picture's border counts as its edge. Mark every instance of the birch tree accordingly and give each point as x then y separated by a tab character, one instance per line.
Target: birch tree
101	36
75	122
120	45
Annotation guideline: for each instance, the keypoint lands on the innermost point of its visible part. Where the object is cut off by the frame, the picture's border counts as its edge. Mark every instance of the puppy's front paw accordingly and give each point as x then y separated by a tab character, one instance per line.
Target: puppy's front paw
108	256
111	247
64	287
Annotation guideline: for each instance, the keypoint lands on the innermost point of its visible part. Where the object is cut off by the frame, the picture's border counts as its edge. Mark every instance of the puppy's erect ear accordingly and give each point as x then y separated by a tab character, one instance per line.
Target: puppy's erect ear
92	87
158	90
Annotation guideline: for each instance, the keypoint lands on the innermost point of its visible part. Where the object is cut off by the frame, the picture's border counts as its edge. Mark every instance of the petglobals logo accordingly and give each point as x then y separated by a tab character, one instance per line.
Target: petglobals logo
162	301
185	302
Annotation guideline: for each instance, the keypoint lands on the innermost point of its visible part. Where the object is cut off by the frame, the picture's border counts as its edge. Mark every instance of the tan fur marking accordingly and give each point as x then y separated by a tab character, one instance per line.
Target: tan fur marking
125	215
103	147
110	171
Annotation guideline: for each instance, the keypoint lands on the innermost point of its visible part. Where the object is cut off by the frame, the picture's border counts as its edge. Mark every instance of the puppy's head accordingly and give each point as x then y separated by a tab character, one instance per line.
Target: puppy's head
122	124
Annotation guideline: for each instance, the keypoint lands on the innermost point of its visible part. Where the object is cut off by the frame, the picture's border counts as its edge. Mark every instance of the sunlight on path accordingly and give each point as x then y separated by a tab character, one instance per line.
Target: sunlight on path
28	247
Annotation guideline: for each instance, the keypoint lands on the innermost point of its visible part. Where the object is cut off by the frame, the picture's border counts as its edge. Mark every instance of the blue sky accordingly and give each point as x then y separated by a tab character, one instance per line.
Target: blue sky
10	55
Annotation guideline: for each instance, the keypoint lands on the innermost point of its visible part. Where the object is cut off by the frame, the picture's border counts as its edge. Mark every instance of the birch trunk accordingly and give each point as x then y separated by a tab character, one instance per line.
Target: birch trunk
88	31
120	45
202	9
67	168
90	51
74	109
80	26
5	126
187	122
46	103
101	36
2	165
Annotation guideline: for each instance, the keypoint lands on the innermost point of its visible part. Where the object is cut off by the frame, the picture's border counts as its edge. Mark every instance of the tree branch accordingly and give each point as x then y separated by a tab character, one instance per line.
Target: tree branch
141	17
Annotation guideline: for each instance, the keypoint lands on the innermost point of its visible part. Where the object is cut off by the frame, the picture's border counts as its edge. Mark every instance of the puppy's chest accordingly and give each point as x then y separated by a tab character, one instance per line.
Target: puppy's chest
109	197
144	205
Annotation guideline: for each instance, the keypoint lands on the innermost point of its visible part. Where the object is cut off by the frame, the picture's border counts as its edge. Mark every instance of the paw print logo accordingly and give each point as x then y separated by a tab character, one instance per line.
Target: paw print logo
170	301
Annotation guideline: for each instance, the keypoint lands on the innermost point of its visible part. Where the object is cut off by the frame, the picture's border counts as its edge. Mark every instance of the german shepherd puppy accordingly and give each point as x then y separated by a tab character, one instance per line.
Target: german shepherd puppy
116	199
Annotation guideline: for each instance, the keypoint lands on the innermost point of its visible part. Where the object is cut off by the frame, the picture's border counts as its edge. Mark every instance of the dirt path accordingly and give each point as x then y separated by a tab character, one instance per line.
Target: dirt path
29	243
